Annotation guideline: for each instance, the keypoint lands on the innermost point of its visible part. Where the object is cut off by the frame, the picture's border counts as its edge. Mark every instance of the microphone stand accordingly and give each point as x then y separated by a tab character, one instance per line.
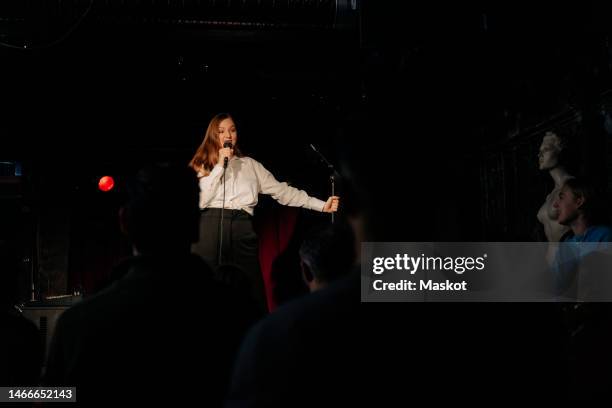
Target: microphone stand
221	221
220	251
332	176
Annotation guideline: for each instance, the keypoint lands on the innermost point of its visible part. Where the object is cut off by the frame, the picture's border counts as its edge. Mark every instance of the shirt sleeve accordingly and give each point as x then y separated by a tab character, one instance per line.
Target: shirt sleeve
209	185
283	192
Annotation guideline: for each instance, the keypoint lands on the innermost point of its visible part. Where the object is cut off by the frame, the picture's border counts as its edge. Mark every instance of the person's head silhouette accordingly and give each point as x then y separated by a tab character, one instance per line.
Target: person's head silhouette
161	213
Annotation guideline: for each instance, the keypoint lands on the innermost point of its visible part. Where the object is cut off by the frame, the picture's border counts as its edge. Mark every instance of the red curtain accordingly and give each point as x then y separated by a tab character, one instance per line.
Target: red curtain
275	229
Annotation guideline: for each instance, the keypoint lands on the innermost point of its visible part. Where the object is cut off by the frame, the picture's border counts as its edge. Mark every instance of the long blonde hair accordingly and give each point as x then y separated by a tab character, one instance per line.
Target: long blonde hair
207	155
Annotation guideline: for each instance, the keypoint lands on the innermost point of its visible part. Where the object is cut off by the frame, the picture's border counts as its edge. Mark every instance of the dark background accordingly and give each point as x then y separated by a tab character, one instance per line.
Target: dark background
460	95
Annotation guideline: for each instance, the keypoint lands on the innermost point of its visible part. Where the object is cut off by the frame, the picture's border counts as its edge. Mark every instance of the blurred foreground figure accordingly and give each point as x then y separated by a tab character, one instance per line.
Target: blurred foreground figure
164	331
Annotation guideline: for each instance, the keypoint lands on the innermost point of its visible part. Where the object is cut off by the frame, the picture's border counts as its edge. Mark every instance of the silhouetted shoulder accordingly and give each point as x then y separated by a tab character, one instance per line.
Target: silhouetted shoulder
315	336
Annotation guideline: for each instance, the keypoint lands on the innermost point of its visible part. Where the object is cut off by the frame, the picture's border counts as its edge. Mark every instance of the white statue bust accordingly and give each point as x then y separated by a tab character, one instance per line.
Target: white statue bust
549	160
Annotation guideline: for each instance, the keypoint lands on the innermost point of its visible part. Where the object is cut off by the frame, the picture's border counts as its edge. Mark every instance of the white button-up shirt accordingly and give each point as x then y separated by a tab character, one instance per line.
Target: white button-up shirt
245	179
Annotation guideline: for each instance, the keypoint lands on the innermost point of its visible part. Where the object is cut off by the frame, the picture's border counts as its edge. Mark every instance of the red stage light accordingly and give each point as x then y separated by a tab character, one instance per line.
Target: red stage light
106	183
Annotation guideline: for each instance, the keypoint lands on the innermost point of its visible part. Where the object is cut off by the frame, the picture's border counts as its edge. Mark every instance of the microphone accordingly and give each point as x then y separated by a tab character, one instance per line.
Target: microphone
227	143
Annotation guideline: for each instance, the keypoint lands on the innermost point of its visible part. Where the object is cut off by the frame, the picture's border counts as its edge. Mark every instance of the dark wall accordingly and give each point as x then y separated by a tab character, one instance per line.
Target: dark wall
445	86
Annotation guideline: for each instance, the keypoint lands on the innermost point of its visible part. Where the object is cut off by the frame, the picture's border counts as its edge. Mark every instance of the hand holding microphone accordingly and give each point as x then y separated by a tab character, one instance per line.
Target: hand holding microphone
226	152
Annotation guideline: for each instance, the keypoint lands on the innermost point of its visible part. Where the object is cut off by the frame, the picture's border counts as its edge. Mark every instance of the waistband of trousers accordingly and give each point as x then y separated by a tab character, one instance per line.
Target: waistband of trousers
216	212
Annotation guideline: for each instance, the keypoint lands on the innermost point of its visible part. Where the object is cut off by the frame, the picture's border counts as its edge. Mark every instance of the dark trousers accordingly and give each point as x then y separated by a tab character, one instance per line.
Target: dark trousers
240	248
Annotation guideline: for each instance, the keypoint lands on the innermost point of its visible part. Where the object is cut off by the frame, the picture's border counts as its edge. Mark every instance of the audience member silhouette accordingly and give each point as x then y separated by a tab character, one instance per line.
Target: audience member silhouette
306	349
327	253
329	249
164	331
